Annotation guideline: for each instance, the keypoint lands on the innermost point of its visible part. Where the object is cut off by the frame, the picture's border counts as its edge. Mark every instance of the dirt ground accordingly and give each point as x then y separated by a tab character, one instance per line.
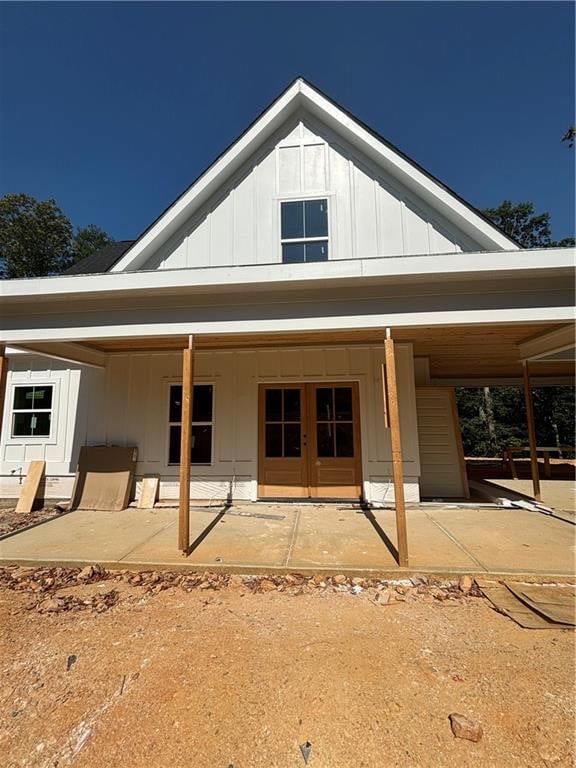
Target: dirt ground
229	677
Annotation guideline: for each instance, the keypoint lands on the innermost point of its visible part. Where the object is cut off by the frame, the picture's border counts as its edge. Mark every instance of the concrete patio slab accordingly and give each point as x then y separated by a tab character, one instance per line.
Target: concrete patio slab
559	494
333	537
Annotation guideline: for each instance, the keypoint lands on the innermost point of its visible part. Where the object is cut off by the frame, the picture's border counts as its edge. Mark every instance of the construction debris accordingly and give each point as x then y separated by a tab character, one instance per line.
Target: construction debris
464	728
47	582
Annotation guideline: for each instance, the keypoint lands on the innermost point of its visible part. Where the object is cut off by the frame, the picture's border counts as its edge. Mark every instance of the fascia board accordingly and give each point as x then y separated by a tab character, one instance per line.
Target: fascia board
266	277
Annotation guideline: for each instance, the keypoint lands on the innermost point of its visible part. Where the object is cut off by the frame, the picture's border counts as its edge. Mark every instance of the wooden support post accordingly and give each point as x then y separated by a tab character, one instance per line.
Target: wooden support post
3	379
531	433
186	445
393	419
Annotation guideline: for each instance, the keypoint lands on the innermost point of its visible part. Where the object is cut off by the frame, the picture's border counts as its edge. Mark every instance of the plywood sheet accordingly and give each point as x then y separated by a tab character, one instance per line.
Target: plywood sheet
555	603
104	478
30	487
148	492
506	602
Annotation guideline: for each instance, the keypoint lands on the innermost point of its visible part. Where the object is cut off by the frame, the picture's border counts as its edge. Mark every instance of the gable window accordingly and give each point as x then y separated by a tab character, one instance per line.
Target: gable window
304	231
32	411
202	424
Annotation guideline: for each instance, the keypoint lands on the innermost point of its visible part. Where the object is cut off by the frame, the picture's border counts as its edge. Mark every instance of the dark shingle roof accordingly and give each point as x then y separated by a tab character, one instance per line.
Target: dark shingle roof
100	261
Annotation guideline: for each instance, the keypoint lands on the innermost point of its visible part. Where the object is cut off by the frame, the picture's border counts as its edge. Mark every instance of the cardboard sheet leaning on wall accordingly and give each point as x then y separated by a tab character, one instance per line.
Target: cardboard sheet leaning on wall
104	478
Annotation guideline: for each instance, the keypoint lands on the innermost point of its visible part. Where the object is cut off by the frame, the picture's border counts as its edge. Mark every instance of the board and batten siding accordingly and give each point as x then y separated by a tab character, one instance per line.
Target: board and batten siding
137	412
439	439
77	405
369	213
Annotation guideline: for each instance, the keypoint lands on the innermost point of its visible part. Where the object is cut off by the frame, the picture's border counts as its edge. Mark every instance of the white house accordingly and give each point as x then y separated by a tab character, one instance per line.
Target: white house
278	276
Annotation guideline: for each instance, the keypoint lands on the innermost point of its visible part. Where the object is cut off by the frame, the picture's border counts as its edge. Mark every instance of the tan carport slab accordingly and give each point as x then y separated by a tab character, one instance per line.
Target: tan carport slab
331	537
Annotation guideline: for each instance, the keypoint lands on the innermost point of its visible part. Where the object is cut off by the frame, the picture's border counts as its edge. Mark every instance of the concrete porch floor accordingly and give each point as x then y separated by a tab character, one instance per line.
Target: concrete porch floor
332	537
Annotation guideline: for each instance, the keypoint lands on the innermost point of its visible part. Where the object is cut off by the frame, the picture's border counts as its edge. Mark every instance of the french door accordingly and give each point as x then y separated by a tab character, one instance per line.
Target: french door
309	441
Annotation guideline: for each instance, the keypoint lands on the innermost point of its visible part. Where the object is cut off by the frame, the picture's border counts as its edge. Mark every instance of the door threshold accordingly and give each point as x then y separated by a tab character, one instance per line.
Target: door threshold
308	500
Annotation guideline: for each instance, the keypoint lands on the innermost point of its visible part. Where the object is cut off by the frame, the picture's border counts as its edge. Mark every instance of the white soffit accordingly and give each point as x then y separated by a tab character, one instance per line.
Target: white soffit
302	95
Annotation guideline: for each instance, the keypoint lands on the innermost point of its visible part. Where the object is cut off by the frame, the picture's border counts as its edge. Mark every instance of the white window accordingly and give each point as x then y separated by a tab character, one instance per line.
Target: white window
32	411
202	424
304	231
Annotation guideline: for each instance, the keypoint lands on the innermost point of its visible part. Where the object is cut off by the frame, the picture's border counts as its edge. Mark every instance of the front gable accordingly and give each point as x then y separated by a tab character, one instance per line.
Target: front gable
304	147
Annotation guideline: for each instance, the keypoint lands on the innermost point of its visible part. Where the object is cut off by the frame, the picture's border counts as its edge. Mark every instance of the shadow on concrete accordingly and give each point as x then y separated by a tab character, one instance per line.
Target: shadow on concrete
211	525
369	515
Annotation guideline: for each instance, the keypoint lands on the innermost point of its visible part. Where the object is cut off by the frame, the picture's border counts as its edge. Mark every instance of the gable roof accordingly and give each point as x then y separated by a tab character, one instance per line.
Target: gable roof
101	260
302	95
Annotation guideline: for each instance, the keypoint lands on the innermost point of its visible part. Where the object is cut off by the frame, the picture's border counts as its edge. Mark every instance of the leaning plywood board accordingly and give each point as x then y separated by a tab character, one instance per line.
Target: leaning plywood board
506	602
148	492
104	478
555	603
30	487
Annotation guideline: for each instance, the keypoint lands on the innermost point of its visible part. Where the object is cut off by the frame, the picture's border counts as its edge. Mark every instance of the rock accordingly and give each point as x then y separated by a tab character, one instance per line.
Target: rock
235	581
86	573
382	598
51	605
464	728
418	580
340	579
267	586
465	584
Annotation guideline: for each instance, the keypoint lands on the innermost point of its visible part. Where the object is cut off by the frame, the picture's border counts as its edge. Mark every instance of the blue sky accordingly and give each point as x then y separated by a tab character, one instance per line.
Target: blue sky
114	108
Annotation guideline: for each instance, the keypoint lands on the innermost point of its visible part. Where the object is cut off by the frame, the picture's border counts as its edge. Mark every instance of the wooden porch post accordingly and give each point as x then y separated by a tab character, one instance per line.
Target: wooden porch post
391	405
185	445
3	378
531	433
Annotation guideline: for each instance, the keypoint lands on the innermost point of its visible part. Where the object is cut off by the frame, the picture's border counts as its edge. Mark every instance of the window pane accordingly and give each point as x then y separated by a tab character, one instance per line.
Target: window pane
343	403
291	405
344	440
325	439
201	444
317	251
273	405
273	448
202	405
292	440
174	445
42	397
293	253
22	424
31	424
175	403
316	218
292	215
23	397
324	409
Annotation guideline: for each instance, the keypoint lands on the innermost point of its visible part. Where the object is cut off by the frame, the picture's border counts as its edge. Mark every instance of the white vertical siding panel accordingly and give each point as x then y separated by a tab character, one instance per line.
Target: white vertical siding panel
340	205
365	227
244	222
267	234
314	164
390	236
289	171
415	231
198	251
221	233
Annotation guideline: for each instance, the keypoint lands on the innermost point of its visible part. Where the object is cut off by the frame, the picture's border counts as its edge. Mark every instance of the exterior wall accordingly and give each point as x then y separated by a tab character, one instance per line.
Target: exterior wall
370	214
76	420
137	407
128	405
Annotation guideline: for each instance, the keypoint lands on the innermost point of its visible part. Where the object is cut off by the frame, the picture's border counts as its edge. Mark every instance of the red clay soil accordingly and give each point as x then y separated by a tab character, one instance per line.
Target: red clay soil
212	679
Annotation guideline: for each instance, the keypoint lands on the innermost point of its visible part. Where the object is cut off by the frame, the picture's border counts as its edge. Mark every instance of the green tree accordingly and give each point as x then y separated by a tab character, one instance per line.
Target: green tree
87	240
570	136
520	221
35	237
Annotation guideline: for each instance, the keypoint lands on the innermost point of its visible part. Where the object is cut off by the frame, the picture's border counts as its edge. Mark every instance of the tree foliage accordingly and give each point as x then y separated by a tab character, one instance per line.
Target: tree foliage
493	417
87	240
37	239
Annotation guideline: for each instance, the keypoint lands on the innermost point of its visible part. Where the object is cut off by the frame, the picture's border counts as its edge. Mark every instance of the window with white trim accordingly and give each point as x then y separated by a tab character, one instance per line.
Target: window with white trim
32	410
304	231
202	424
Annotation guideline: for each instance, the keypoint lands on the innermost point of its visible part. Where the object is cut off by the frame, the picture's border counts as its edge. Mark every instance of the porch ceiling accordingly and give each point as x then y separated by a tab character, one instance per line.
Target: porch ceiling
453	352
